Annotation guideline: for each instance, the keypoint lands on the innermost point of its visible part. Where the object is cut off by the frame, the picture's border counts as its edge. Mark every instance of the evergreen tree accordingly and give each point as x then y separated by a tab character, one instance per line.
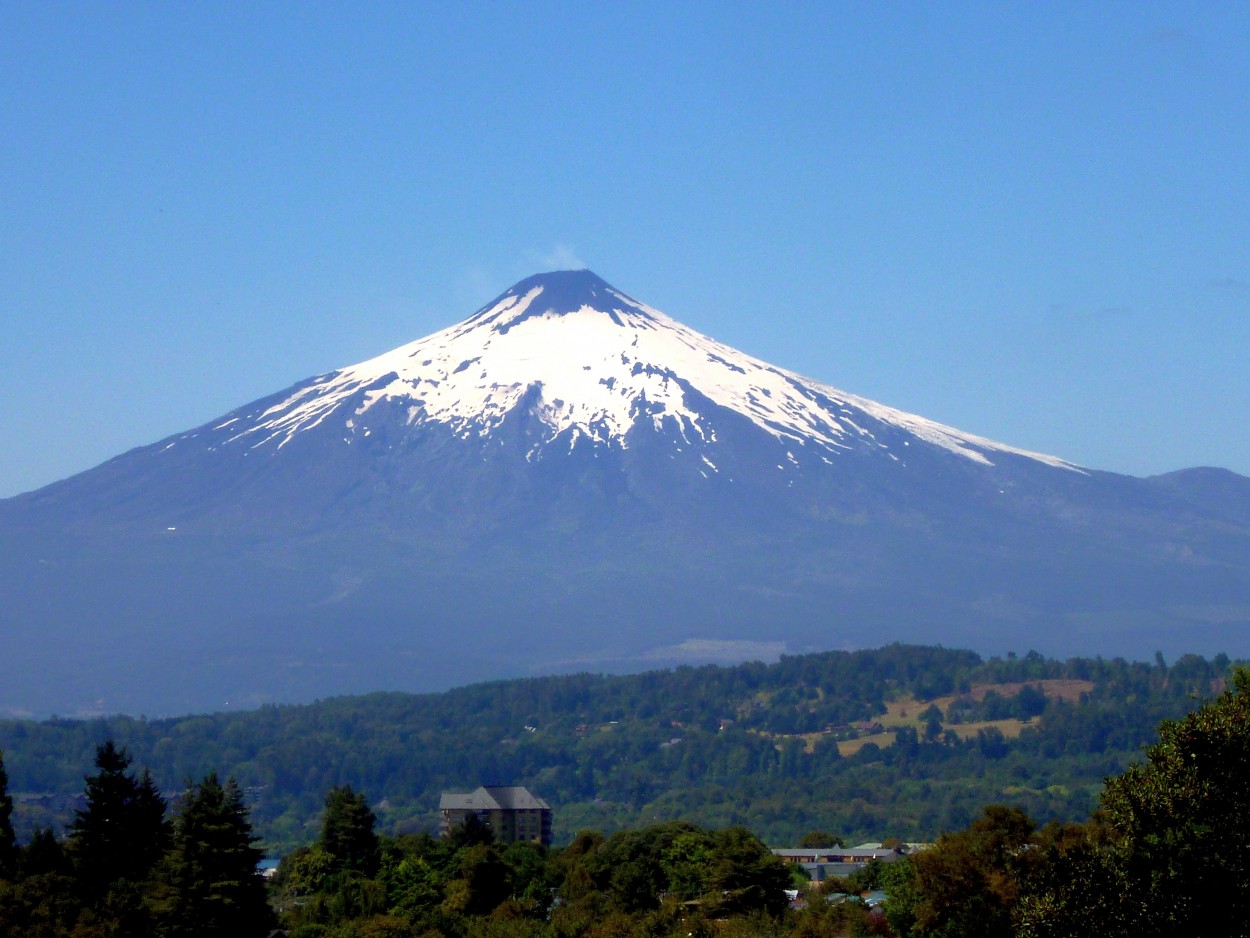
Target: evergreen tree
347	831
148	823
7	852
122	831
210	887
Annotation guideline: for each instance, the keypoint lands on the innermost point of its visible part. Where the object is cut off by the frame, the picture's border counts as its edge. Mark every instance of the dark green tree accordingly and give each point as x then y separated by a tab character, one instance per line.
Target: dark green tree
1179	823
347	831
1029	702
210	887
1072	889
39	898
472	831
122	831
744	875
531	875
42	855
967	884
628	869
820	838
414	873
7	840
480	881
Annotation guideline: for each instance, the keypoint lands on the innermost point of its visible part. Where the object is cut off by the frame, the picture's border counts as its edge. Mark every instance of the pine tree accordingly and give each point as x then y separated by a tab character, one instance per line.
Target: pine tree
347	831
210	883
7	840
122	831
149	824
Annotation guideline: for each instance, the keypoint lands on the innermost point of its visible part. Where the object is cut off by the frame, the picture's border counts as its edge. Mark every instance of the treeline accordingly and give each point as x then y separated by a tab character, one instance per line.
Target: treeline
715	745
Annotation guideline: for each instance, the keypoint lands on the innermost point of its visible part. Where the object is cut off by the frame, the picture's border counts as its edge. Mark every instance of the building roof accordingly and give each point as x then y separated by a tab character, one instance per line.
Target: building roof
493	798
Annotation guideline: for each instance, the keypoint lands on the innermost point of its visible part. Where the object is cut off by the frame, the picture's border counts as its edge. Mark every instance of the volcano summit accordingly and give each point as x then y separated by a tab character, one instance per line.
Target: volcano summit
571	479
589	363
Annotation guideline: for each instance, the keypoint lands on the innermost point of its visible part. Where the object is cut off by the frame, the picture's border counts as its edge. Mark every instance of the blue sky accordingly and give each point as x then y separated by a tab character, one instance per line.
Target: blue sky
1030	221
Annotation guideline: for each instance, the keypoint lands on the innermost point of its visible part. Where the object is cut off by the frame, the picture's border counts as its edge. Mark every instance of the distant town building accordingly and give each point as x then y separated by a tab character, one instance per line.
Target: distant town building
512	812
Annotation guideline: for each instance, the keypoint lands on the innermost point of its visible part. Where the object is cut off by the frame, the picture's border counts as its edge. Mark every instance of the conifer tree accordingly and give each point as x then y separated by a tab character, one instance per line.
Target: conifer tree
211	887
347	831
7	851
122	831
149	823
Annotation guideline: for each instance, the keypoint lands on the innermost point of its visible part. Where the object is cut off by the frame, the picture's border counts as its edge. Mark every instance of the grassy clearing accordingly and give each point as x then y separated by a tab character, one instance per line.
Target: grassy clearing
906	712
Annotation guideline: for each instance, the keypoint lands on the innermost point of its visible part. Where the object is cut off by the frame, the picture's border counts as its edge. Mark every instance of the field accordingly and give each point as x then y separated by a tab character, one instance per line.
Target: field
906	711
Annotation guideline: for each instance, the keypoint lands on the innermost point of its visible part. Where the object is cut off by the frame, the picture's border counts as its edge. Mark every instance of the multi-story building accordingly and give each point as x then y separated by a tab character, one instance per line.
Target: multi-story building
512	812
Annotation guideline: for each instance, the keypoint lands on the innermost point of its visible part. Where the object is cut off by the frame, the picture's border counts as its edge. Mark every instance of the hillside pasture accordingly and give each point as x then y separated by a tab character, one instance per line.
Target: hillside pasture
905	711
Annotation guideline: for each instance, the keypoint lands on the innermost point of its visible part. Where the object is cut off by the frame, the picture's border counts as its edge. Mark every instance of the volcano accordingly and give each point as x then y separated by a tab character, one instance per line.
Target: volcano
568	480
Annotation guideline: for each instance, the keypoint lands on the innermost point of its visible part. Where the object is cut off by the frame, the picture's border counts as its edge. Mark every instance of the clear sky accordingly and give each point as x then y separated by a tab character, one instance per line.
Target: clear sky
1030	221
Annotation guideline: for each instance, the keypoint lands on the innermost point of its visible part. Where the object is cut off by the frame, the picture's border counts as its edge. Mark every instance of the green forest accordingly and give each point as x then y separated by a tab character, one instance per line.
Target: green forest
901	742
1165	853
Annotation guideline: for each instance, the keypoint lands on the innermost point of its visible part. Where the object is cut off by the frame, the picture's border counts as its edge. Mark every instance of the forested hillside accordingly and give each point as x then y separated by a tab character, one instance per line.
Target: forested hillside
902	741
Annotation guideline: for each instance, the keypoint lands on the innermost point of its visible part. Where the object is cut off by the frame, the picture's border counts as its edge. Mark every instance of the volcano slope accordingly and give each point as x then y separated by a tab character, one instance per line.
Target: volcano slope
569	480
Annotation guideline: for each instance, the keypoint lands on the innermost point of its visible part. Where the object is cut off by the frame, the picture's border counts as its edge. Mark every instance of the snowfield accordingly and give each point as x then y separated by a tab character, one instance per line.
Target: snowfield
589	359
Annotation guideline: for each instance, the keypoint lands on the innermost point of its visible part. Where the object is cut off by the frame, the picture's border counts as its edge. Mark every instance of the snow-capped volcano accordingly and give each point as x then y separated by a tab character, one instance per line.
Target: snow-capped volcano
592	364
569	478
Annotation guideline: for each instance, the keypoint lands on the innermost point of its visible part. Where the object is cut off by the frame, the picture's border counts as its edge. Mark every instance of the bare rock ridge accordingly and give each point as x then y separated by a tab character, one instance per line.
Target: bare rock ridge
571	479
